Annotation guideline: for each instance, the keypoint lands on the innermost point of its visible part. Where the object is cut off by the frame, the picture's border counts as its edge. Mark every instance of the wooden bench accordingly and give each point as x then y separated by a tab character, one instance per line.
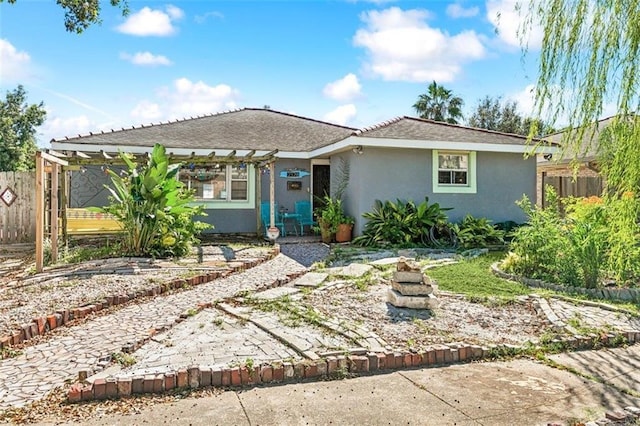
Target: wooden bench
85	222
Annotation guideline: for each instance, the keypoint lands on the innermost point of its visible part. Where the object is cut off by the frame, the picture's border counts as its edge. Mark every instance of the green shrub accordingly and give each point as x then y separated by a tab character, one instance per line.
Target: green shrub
587	225
153	206
542	245
478	232
401	223
623	237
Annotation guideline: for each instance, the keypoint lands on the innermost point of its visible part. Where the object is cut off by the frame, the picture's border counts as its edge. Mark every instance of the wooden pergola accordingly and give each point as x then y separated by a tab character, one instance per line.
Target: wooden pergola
57	163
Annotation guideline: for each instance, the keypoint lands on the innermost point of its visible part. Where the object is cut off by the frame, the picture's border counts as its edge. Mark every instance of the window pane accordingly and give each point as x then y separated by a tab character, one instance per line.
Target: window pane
452	162
239	172
460	178
239	190
444	176
219	183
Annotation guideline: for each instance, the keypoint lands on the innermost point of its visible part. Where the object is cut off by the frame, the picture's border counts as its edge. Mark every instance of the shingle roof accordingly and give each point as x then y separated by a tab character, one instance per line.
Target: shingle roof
589	146
421	129
248	128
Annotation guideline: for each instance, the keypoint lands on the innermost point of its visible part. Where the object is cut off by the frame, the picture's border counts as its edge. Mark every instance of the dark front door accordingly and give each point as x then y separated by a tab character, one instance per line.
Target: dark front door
321	183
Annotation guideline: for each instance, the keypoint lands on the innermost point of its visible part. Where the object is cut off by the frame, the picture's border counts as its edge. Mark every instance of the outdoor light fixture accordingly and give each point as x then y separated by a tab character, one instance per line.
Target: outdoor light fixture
548	157
358	149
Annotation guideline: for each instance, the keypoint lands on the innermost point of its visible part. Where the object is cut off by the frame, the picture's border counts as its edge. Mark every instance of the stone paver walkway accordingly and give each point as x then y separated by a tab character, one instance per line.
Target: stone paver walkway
209	338
42	367
213	336
592	316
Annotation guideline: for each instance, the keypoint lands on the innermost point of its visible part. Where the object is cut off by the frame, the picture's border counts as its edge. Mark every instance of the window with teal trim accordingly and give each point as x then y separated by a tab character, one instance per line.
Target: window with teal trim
218	182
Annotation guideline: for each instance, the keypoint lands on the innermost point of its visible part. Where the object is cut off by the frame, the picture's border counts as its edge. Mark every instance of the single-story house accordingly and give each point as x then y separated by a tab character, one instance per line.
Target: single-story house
572	173
225	159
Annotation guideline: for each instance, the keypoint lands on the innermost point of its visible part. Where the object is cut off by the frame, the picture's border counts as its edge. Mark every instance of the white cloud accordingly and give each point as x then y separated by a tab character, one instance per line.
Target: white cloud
401	46
56	127
341	115
186	98
175	12
146	111
508	22
456	10
145	58
150	22
201	19
344	89
14	65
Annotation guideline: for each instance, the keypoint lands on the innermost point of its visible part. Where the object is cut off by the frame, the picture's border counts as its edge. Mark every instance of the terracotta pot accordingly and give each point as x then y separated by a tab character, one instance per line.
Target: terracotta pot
343	234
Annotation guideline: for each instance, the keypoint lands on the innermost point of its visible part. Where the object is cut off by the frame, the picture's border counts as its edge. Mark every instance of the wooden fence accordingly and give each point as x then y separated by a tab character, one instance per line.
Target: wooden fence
17	207
567	186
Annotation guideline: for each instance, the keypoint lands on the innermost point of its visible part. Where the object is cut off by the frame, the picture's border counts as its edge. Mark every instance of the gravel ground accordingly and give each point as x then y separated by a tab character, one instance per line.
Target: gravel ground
70	286
455	320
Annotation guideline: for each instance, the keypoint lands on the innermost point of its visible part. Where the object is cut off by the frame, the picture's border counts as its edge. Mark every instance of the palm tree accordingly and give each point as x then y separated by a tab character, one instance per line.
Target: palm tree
439	104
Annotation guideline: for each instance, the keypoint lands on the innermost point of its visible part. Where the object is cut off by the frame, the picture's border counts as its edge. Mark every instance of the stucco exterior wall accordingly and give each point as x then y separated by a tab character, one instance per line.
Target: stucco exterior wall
284	197
389	174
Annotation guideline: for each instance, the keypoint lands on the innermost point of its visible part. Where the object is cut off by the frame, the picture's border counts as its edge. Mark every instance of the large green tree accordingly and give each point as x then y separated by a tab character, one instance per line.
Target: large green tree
18	122
492	113
589	59
439	104
81	14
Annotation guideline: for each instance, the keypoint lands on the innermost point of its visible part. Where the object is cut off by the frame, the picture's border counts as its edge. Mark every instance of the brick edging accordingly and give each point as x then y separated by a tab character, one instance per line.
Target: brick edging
618	294
42	325
195	377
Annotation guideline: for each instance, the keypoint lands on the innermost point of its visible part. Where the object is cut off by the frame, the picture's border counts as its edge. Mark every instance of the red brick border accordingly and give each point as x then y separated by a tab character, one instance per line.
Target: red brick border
39	326
283	372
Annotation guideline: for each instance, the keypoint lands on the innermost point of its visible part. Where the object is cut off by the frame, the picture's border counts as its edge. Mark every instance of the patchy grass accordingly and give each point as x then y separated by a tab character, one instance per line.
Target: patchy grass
474	279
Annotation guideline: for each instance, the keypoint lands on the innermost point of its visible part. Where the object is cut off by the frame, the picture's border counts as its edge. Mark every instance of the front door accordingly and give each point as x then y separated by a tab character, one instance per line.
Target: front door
321	176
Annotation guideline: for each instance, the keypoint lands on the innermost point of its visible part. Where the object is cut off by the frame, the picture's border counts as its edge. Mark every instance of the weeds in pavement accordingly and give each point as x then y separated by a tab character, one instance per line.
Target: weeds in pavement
125	360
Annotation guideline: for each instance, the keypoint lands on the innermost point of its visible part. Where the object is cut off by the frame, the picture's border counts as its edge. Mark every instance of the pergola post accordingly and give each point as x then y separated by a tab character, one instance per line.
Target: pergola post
41	157
39	212
273	232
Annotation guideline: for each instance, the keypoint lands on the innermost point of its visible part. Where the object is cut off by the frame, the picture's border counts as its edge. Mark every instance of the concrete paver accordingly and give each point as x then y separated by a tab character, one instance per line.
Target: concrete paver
520	392
489	393
209	339
618	366
83	347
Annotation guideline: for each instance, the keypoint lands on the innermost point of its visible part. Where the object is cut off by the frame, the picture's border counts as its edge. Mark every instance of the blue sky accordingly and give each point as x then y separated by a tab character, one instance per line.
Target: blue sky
345	61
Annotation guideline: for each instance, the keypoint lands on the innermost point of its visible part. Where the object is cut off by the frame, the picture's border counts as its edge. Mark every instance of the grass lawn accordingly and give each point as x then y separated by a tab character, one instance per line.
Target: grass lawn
473	278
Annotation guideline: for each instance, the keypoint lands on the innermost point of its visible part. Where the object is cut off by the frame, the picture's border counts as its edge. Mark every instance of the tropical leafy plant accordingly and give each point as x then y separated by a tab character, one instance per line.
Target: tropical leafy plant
153	207
478	232
401	223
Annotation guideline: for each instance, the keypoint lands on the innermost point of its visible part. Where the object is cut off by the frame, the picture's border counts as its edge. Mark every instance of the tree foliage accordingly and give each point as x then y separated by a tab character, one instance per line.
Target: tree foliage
590	57
494	114
439	104
18	122
81	14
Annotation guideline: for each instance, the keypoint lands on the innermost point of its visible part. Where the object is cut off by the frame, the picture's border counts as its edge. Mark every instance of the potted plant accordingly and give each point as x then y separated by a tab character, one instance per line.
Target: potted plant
334	224
343	231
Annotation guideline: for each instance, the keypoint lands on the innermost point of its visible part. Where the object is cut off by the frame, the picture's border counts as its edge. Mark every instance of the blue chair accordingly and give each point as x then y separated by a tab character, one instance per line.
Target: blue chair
305	216
265	216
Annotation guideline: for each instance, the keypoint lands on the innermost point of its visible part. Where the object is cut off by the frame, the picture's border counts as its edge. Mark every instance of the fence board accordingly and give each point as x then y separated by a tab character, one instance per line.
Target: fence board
18	221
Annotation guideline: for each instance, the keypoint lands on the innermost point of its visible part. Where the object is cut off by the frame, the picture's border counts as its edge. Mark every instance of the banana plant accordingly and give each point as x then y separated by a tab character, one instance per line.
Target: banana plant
153	206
